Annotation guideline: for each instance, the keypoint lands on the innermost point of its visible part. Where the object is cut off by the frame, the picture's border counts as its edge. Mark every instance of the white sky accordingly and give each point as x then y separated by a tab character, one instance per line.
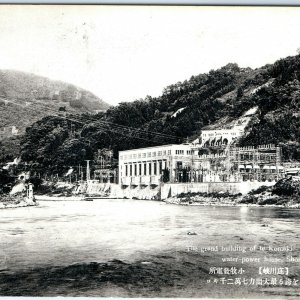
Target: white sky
123	53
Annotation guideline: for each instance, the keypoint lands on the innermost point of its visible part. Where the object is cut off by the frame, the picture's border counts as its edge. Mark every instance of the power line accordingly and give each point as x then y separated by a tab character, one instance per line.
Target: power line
124	127
111	123
117	126
139	130
117	131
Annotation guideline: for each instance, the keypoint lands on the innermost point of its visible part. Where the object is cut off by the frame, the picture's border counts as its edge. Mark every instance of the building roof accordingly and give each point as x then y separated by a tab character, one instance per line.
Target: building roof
155	147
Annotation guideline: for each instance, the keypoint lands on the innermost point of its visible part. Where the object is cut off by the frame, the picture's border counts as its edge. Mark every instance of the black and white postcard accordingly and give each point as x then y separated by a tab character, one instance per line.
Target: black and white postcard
150	151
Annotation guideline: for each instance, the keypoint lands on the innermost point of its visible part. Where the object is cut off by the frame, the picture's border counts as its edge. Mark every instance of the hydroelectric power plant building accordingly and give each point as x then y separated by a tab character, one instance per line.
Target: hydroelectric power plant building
183	168
212	163
153	165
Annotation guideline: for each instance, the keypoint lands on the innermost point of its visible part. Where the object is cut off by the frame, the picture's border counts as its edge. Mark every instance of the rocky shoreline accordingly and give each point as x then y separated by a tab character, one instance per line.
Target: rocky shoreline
285	193
7	201
211	201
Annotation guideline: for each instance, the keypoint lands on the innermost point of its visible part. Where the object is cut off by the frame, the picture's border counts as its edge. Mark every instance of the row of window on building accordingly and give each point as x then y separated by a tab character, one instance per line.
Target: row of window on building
258	157
151	168
155	154
219	133
146	154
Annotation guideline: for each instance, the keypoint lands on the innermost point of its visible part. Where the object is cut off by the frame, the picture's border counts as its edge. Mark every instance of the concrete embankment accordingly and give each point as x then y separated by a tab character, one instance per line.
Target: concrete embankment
173	189
168	190
158	192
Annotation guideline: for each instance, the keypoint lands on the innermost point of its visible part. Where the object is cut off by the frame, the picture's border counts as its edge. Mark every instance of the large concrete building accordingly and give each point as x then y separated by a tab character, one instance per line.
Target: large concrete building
184	163
151	166
206	164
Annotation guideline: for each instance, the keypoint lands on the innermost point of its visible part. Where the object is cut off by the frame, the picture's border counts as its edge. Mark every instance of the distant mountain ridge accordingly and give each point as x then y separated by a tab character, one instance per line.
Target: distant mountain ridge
26	98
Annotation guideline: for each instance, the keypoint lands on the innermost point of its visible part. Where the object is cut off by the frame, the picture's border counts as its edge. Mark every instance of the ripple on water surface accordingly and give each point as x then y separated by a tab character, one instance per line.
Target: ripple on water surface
141	234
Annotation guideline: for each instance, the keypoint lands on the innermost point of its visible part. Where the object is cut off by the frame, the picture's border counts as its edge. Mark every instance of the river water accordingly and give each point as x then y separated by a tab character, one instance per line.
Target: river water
145	248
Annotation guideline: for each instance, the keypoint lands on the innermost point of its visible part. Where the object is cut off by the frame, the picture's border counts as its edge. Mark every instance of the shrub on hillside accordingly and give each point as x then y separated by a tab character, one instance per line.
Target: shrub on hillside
287	187
249	199
268	201
260	190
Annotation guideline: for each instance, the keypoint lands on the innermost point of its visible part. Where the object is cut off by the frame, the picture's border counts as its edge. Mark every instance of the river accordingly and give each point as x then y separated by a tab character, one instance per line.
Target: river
136	248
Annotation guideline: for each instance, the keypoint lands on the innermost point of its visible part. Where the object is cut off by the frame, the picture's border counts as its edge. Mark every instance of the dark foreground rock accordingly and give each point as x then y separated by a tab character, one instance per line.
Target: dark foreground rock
180	274
142	278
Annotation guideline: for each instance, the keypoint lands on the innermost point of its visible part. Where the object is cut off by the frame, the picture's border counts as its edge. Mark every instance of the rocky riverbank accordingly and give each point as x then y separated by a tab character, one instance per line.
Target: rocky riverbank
7	201
285	193
58	189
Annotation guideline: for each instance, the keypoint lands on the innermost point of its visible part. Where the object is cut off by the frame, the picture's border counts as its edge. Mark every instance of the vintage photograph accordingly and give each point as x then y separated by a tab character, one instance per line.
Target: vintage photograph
150	151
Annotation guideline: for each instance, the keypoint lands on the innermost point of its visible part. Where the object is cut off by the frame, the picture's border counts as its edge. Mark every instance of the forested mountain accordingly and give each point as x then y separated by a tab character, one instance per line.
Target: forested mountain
179	113
26	98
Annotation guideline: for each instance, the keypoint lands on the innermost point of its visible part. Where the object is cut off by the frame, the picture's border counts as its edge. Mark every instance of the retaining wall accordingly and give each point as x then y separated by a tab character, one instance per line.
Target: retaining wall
173	189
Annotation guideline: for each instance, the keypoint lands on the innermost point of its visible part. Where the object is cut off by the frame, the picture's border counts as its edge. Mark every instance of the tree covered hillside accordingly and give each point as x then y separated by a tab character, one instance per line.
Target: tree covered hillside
26	98
179	113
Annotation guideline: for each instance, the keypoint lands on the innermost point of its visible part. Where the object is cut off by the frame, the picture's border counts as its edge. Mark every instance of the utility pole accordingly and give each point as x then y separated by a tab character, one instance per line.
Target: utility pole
87	170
